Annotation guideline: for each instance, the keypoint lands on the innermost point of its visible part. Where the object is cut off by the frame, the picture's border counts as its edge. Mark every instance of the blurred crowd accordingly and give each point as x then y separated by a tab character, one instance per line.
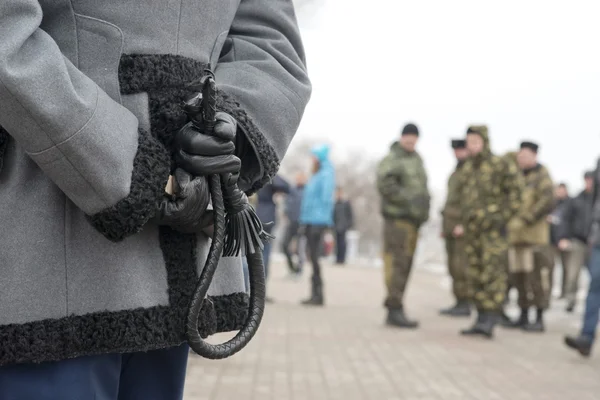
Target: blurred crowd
505	223
506	226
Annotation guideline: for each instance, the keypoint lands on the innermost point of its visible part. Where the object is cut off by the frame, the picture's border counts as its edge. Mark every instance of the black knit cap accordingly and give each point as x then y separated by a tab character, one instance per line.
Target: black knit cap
410	129
459	143
530	145
588	175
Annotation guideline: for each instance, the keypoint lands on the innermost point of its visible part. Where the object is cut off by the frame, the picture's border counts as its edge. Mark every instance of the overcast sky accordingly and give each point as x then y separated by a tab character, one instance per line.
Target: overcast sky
530	69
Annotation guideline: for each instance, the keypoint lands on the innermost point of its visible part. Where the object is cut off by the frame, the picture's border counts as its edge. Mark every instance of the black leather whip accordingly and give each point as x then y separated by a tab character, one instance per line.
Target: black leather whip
237	231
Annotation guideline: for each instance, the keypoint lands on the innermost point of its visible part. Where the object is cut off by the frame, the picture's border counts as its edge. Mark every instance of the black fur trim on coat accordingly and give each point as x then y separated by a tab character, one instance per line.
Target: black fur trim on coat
151	167
3	145
166	79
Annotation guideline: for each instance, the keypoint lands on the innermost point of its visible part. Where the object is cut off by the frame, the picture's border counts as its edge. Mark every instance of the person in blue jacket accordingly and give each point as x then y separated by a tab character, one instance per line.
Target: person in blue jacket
316	215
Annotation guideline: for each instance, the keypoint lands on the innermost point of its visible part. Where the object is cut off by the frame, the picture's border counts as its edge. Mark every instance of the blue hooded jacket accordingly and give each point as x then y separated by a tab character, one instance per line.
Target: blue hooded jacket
319	193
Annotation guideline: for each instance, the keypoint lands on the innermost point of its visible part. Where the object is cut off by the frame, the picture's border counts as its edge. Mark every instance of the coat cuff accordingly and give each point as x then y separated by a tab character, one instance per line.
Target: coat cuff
3	145
151	168
259	159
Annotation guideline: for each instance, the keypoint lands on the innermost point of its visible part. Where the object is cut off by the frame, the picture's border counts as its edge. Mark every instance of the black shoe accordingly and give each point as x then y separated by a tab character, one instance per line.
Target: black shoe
520	323
313	301
316	298
582	344
538	325
461	309
397	318
570	307
484	326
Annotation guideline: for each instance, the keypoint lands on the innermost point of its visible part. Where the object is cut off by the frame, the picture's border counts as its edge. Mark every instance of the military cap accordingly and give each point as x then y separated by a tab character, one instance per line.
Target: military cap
530	145
459	143
410	129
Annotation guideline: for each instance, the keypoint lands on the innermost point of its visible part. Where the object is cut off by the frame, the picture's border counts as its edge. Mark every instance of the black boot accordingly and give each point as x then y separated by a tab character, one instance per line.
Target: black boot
461	309
397	318
538	325
316	297
478	327
521	322
489	323
582	344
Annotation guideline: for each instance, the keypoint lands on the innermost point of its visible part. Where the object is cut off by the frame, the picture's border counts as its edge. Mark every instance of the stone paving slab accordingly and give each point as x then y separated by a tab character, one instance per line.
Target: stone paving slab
344	351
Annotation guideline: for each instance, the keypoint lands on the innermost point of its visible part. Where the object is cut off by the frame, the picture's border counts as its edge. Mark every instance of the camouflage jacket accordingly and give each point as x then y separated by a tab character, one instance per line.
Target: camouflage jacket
530	226
490	190
402	184
452	210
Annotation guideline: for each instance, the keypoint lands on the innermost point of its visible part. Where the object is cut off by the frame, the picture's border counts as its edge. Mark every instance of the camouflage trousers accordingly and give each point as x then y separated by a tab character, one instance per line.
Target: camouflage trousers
531	268
457	267
399	242
487	271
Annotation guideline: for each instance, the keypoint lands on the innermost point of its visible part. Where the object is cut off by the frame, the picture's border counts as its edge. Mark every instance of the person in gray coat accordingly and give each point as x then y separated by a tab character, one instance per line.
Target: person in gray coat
97	265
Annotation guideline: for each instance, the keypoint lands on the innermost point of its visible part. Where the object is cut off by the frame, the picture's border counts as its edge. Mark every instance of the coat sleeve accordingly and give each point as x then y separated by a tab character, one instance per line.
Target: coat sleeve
513	187
263	83
545	200
565	226
389	183
86	143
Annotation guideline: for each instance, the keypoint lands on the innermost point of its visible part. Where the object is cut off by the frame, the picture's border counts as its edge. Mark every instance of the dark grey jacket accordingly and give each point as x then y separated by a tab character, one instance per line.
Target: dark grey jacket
266	207
557	226
293	203
343	218
576	218
90	94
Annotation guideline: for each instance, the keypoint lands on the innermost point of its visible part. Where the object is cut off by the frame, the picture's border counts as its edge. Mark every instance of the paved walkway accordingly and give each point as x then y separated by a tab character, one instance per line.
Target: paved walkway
344	351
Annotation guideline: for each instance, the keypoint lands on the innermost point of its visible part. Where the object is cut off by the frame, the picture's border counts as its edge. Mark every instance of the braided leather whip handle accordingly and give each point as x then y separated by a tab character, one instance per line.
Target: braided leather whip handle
255	261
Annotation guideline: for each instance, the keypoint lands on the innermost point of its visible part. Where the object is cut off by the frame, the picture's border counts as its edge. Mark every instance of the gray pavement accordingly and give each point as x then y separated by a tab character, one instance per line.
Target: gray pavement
343	351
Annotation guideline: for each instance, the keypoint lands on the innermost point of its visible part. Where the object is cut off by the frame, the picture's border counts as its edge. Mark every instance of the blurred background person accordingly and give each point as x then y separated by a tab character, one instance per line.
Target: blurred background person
531	259
574	231
405	200
491	190
343	221
316	215
561	201
266	210
584	341
455	243
293	234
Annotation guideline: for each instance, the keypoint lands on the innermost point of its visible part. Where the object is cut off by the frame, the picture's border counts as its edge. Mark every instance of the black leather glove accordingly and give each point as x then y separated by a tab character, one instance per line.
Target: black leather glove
201	154
185	211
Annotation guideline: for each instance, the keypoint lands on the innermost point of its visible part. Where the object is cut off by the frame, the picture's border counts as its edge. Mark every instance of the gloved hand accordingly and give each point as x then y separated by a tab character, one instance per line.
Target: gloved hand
201	154
185	211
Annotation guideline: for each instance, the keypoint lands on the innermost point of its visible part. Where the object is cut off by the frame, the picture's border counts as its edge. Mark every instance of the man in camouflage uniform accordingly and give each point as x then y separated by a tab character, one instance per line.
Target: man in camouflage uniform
402	184
455	245
491	195
531	259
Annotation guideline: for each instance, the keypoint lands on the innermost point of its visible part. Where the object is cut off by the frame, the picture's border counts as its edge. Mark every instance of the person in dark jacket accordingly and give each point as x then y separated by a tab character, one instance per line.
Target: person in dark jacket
267	211
316	215
584	341
561	200
405	202
343	220
573	233
98	256
293	206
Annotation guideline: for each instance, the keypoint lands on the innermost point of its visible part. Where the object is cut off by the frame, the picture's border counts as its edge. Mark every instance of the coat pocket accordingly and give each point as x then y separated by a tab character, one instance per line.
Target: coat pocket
3	145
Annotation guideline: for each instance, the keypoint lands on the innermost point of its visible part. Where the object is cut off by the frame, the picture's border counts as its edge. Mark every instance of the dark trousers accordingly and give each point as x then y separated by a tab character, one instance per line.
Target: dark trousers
156	375
314	238
340	247
291	233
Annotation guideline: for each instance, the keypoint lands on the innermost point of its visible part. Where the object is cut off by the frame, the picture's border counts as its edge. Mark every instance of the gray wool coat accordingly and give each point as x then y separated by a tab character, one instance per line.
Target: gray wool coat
90	94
